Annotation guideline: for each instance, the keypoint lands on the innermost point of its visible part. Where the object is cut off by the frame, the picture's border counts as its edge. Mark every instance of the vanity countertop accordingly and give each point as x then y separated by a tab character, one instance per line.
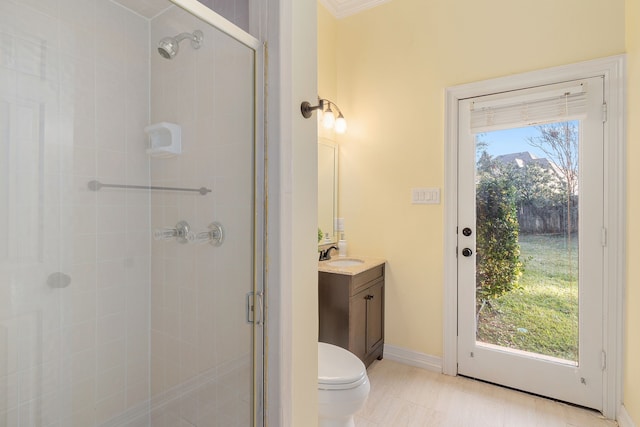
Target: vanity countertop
368	263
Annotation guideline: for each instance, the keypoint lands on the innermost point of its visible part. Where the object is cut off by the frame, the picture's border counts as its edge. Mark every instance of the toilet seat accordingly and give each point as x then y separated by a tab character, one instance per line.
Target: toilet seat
339	369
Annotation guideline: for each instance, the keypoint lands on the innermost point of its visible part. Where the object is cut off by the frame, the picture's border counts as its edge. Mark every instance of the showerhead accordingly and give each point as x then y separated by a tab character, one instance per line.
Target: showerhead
168	47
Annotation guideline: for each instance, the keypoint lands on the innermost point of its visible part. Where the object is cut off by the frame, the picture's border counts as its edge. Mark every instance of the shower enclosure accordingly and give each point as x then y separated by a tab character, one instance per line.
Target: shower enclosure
126	299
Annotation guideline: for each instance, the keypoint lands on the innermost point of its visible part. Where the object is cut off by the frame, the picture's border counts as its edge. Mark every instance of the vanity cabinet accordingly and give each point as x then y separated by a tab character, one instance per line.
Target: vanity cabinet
351	311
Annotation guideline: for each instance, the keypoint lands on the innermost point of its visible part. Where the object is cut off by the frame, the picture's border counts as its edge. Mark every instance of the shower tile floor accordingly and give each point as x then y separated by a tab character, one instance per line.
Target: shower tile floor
223	401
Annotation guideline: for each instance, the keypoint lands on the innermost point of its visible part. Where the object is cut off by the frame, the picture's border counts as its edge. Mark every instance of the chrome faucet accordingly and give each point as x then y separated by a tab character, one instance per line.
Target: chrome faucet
326	254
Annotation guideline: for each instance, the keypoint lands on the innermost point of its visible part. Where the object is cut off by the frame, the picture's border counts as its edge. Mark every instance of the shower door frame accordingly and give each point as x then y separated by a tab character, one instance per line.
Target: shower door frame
207	15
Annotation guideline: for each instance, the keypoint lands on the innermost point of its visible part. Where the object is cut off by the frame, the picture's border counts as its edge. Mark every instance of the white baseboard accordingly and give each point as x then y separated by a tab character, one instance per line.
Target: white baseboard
413	358
623	418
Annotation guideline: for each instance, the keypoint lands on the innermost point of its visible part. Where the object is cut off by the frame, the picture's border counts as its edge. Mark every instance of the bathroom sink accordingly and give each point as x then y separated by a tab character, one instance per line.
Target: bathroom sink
345	262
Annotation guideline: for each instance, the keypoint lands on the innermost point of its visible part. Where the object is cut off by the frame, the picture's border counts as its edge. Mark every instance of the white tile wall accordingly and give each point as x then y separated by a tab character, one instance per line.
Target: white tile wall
146	8
236	11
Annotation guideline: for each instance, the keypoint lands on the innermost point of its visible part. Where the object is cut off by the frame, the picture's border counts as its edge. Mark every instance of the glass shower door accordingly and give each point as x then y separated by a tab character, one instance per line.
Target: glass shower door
202	344
36	244
100	325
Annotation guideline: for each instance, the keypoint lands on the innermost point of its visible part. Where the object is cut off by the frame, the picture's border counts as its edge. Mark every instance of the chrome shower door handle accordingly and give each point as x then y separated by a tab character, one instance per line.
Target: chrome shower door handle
253	315
260	301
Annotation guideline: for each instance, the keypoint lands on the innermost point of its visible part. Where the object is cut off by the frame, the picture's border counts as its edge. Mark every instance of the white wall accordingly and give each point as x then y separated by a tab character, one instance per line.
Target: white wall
293	79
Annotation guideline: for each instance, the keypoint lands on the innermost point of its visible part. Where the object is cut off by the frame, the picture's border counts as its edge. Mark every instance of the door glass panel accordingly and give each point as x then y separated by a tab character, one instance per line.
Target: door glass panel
527	239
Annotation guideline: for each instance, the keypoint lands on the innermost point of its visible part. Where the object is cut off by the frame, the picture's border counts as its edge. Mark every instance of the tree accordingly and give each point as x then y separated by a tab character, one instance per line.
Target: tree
559	141
539	189
534	185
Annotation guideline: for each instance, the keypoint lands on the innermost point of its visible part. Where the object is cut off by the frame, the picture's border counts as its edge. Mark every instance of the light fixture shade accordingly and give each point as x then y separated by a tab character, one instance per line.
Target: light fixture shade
328	119
341	124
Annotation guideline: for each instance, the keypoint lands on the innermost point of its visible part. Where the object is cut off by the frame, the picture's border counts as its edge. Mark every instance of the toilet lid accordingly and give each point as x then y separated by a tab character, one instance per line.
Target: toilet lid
339	368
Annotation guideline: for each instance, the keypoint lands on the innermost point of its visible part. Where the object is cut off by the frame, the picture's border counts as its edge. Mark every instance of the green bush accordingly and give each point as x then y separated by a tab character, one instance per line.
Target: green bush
498	264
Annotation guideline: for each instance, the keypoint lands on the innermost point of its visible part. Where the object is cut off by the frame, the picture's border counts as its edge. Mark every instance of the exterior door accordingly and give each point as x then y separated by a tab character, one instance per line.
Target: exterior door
530	240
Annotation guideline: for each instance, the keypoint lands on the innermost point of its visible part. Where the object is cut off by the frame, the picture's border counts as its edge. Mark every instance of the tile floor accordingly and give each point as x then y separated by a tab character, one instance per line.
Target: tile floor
403	395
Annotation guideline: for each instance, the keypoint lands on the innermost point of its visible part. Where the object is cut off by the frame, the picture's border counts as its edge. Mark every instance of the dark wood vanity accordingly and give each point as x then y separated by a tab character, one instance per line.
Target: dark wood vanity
351	309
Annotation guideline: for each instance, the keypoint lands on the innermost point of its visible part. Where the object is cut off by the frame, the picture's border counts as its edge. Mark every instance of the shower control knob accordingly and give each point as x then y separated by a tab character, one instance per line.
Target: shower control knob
467	252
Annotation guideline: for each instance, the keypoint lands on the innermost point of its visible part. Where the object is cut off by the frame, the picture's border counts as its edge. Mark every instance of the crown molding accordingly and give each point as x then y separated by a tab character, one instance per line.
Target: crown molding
343	8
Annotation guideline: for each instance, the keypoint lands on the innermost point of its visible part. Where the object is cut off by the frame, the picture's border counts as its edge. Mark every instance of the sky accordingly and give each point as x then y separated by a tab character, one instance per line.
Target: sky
511	141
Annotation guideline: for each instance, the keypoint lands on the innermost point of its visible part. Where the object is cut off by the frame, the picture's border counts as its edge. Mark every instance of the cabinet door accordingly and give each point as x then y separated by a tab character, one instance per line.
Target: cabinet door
358	323
375	315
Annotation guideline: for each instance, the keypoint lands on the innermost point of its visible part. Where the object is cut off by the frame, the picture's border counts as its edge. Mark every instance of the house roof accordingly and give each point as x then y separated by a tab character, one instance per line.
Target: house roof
524	158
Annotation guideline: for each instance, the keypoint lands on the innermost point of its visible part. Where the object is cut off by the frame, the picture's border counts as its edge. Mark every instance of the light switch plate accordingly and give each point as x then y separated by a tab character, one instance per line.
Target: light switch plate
425	196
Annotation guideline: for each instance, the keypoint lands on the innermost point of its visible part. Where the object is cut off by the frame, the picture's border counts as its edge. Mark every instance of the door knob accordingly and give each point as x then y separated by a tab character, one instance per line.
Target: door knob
466	231
467	252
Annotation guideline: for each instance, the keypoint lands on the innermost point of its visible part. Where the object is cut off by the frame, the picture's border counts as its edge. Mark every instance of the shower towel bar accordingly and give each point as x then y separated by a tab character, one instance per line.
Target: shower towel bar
97	185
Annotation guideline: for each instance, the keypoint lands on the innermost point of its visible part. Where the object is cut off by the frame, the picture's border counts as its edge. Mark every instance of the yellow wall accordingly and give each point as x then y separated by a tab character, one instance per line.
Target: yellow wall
394	62
631	367
393	65
327	65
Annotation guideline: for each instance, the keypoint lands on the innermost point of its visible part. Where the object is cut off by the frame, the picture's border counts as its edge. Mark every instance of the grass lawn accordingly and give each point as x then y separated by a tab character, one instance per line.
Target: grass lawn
542	316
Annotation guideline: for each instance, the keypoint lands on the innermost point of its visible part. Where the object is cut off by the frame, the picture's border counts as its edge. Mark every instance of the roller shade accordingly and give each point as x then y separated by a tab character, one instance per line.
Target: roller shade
562	102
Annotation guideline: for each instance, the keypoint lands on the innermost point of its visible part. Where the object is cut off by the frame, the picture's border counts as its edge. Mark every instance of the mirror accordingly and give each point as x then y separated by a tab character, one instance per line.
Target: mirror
327	189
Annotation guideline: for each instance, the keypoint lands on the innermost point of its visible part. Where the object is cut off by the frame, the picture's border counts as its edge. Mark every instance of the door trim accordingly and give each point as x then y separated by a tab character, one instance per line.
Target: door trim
613	70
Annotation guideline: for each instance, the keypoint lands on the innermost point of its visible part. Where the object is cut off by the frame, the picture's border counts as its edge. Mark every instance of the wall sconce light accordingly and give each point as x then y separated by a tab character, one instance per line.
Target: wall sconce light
329	120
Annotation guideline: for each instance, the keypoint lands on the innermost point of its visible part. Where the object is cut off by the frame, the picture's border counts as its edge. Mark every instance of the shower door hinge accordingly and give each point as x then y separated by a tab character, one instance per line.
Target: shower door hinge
603	360
255	307
605	114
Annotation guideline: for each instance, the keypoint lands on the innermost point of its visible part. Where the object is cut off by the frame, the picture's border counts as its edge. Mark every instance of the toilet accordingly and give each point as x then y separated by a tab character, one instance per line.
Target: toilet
343	386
